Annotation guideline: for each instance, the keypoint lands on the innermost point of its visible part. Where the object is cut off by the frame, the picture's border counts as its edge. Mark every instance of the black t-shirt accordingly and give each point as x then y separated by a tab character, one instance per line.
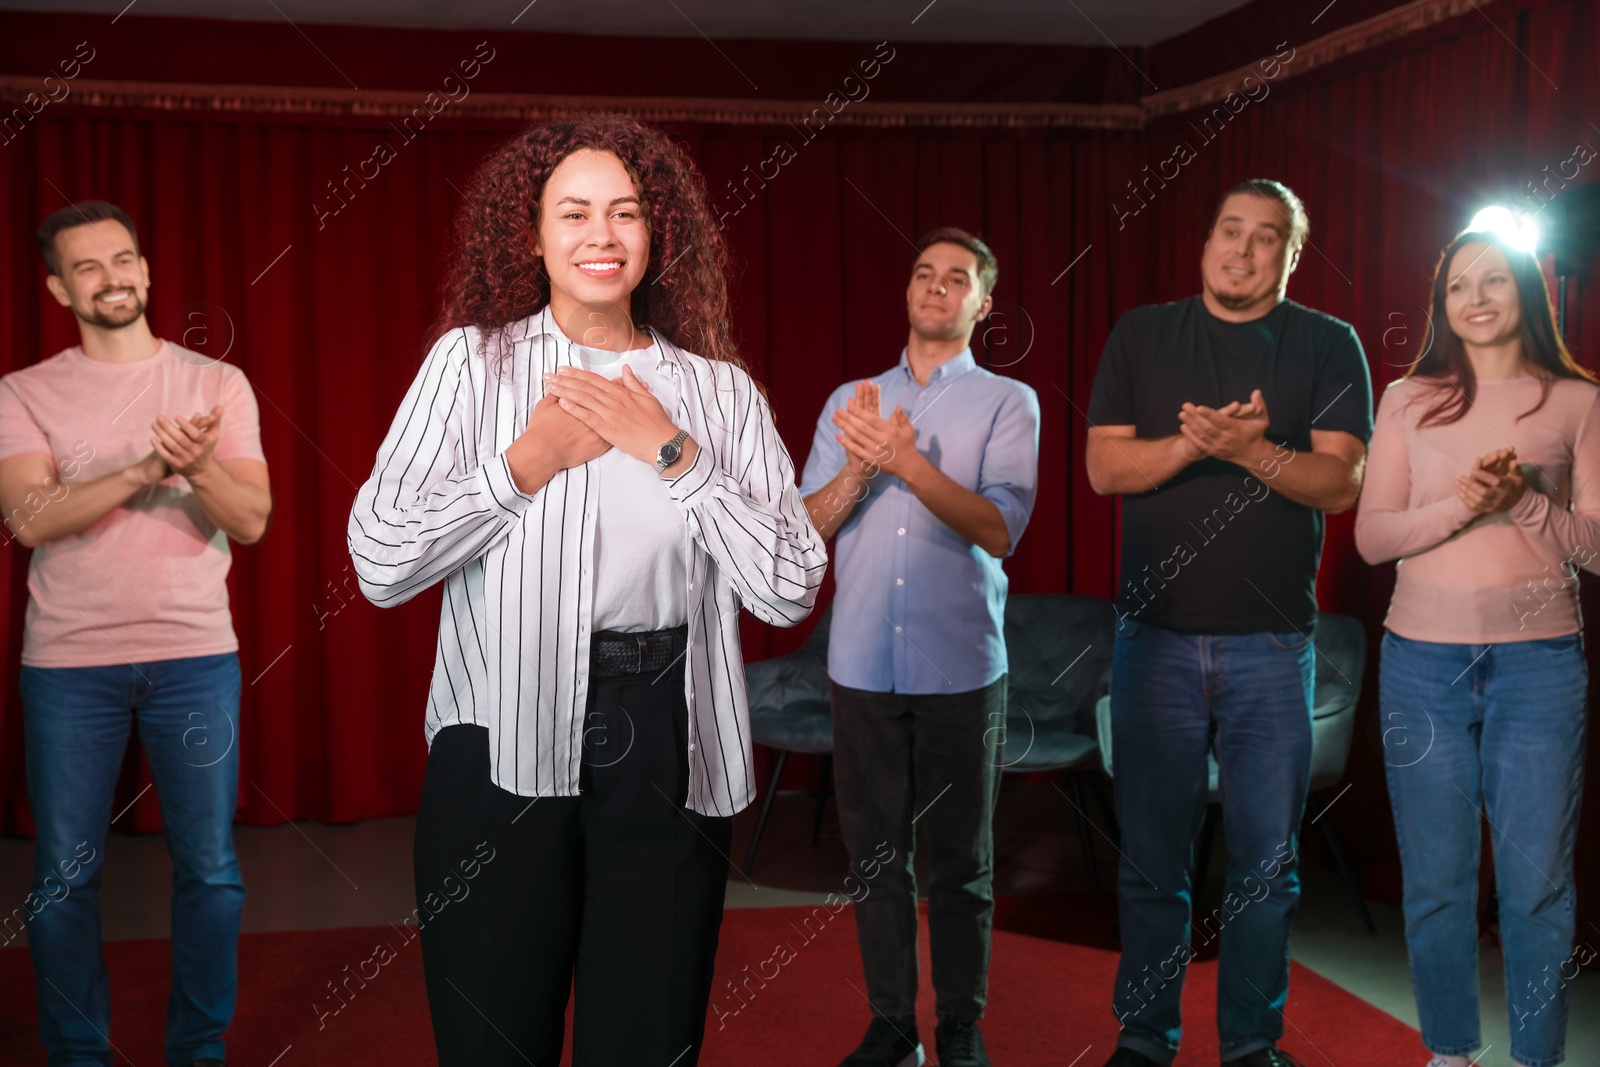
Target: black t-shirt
1215	550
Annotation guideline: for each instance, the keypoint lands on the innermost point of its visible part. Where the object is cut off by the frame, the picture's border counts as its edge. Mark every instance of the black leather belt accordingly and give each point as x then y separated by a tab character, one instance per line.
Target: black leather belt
613	654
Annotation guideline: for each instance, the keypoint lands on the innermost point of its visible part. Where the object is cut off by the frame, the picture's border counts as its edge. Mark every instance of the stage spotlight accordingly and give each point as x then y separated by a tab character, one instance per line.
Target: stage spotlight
1518	230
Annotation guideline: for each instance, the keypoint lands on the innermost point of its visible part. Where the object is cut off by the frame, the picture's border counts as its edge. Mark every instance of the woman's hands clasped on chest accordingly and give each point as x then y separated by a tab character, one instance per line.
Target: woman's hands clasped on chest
622	412
553	440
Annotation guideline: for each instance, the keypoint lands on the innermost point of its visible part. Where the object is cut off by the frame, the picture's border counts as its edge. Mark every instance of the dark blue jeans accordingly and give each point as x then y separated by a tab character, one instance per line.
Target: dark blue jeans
1174	699
76	724
1496	731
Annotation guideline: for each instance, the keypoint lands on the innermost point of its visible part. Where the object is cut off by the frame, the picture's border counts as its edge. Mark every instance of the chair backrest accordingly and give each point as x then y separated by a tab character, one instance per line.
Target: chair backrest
815	647
1341	643
1058	647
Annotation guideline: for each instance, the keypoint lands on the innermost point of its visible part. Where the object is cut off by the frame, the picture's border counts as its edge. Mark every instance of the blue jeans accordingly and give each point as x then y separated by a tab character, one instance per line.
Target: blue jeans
76	723
1174	699
1498	731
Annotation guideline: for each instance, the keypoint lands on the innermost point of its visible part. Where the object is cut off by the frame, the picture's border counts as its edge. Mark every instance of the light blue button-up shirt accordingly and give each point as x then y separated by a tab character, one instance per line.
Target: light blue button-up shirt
918	608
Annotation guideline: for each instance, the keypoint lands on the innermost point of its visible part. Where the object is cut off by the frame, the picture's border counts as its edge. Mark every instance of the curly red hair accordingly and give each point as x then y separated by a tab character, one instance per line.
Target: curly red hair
495	279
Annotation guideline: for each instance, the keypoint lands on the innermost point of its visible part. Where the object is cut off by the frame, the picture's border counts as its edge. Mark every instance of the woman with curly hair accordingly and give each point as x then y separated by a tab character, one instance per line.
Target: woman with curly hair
586	465
1483	480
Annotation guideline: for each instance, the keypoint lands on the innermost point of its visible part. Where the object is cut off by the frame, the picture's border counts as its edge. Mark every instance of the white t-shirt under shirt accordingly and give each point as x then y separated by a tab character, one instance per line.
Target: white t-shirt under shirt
641	542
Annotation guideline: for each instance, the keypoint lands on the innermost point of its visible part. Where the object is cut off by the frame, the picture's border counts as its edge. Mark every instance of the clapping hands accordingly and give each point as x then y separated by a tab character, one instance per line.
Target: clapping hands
181	445
871	442
1227	432
1495	483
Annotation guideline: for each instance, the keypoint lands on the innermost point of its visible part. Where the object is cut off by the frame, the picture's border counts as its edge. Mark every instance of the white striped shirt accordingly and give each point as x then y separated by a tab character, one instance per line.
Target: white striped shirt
518	570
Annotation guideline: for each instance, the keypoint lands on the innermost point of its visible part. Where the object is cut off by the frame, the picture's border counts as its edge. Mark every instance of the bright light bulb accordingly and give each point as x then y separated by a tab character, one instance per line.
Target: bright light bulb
1517	230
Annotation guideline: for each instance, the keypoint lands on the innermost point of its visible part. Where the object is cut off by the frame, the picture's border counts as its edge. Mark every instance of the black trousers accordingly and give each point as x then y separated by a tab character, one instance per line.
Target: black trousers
616	893
932	760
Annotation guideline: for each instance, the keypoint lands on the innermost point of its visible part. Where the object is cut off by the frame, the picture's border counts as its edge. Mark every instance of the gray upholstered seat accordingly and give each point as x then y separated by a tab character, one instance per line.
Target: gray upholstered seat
1059	649
790	712
1059	652
789	696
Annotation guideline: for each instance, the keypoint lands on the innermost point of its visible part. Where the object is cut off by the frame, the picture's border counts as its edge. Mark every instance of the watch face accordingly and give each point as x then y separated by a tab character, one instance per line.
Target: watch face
669	454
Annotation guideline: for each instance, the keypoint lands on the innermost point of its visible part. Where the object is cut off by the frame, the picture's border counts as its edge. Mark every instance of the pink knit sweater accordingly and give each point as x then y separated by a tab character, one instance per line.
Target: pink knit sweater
1469	578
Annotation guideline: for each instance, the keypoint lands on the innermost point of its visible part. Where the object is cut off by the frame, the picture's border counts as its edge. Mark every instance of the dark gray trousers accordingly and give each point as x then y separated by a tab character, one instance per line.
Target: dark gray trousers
908	760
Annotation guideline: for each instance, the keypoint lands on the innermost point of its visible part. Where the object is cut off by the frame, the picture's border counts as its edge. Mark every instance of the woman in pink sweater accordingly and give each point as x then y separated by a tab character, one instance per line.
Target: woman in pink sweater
1483	480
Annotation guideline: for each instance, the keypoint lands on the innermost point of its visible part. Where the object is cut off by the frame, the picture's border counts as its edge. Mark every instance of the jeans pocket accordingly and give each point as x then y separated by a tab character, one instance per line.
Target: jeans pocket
1289	640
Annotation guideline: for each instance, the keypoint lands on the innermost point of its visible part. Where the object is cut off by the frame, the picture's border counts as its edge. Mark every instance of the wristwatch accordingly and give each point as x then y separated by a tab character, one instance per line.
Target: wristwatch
668	453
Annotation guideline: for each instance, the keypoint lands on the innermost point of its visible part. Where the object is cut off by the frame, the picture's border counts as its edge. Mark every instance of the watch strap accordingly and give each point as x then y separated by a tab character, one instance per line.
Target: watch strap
676	444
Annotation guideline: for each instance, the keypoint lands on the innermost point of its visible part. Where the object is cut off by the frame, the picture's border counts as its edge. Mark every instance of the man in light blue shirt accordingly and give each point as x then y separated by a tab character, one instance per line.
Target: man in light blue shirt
927	474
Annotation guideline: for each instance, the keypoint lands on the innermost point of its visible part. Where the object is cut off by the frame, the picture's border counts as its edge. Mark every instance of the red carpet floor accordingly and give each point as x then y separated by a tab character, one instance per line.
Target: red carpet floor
1048	1003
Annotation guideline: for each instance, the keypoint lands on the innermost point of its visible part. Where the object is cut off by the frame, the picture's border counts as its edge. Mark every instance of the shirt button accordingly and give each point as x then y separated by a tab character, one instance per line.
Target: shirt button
899	581
897	629
902	531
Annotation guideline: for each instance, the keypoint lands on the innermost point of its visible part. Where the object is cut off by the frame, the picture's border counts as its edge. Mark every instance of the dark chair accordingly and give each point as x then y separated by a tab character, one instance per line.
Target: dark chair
1059	652
1341	645
790	712
1059	648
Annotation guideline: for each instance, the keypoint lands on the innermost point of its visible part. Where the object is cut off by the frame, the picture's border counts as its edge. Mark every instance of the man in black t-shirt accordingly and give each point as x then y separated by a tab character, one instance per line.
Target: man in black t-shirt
1229	422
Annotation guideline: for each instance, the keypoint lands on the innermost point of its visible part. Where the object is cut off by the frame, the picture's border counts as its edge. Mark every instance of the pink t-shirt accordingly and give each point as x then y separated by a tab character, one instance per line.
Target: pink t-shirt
1466	578
148	581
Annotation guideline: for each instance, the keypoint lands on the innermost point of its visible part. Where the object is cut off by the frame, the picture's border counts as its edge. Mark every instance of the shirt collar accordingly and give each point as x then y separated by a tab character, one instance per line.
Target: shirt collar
953	367
542	322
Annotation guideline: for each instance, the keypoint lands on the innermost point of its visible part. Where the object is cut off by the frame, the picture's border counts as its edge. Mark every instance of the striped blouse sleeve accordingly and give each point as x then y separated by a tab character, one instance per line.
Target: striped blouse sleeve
428	506
746	512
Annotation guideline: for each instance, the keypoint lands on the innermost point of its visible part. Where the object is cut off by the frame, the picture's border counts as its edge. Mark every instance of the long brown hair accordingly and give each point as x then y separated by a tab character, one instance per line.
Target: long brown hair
494	278
1444	360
